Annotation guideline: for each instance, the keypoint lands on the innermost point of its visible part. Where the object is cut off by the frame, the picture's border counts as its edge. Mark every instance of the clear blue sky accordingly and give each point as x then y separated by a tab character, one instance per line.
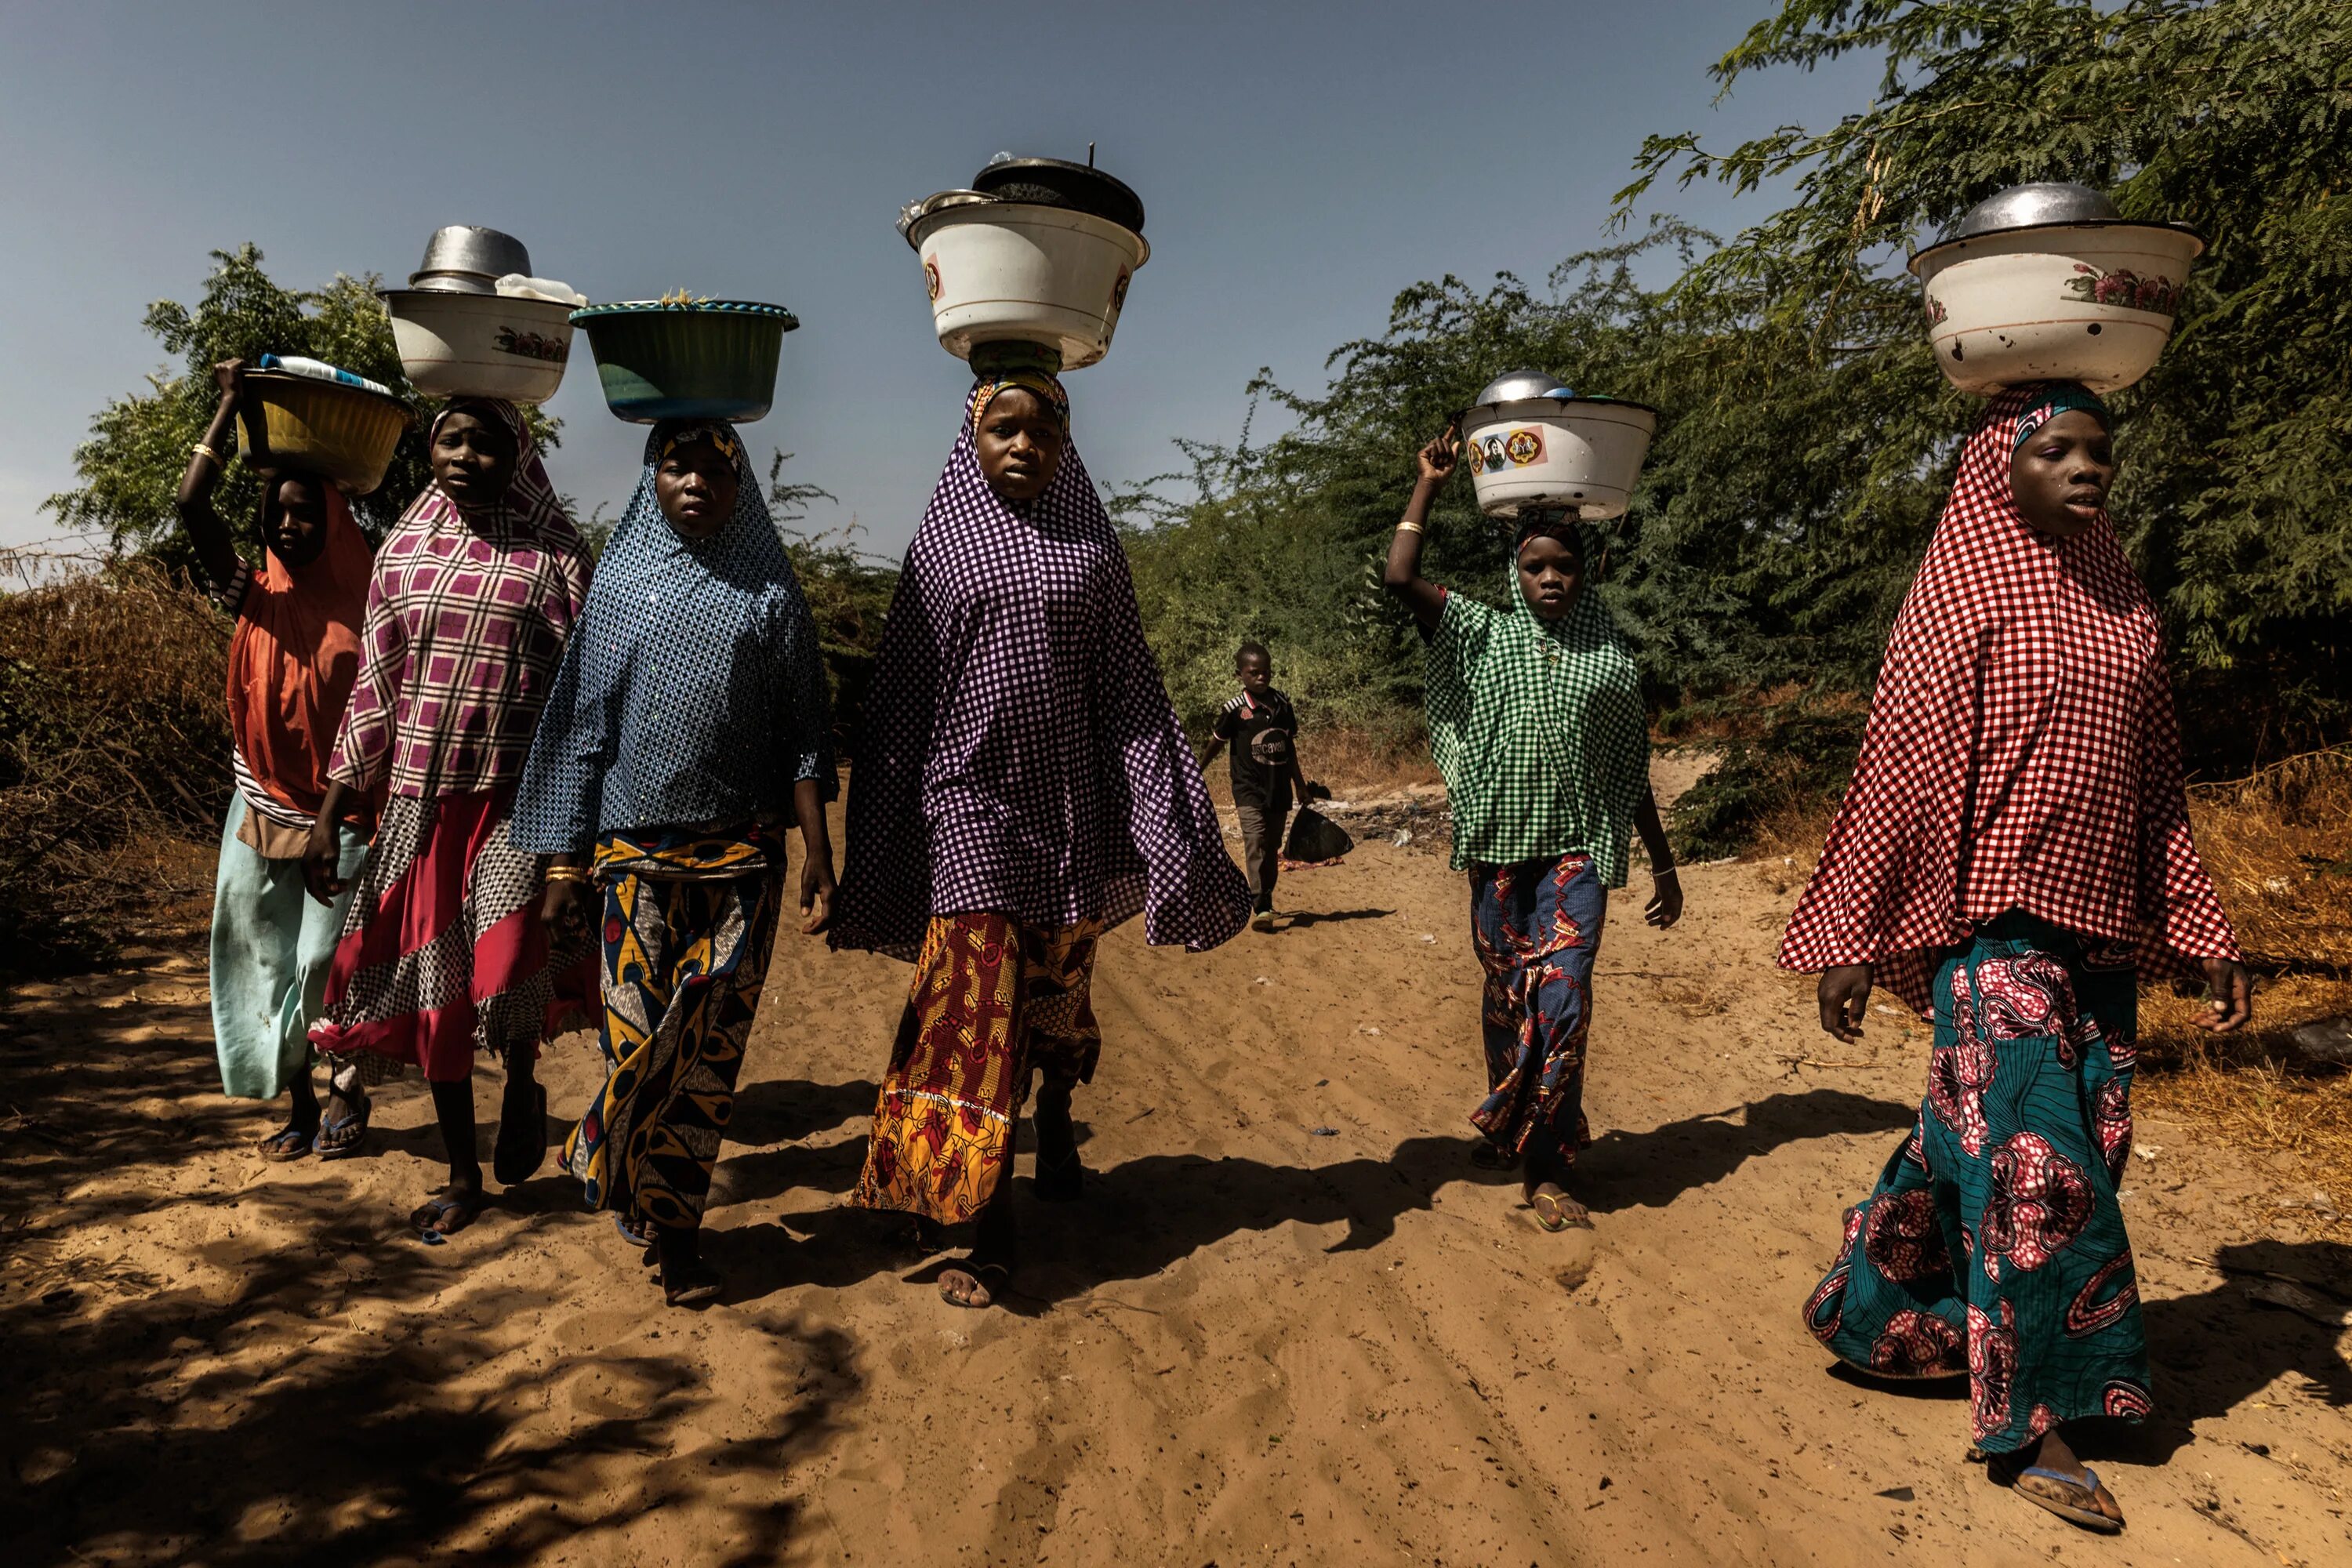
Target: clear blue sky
1300	163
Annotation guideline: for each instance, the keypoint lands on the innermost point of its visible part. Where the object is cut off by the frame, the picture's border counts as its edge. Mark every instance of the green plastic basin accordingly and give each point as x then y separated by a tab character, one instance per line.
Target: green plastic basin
714	359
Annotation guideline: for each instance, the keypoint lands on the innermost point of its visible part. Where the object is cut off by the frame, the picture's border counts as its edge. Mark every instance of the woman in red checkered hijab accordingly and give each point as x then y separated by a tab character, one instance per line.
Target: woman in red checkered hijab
2012	857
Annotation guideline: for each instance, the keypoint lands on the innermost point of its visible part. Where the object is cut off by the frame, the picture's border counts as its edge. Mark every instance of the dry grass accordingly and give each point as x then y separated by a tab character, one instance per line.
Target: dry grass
2278	846
113	749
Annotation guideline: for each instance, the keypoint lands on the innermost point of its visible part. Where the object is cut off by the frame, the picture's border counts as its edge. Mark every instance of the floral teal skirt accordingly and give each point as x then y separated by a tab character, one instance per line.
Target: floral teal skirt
1993	1245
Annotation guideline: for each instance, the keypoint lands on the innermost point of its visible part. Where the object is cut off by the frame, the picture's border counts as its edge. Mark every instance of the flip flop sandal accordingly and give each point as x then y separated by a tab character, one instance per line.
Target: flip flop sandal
428	1217
2074	1513
510	1167
630	1234
1487	1157
355	1123
1550	1217
284	1145
994	1278
698	1284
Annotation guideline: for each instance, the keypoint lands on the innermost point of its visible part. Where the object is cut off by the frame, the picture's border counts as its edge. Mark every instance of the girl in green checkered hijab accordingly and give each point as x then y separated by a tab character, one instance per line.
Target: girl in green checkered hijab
1535	721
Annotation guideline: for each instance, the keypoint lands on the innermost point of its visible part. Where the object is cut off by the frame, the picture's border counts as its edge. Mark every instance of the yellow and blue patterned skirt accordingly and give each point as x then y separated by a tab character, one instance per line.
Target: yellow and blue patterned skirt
689	921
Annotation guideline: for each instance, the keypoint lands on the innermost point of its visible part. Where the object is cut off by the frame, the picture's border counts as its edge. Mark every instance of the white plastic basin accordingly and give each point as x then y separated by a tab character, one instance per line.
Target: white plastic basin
480	345
1582	454
1011	272
2092	302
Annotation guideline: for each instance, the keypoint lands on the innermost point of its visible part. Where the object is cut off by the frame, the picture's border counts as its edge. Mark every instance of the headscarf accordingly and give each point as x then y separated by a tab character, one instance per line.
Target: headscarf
1018	753
1537	726
530	503
2023	751
692	690
999	367
295	654
466	617
2051	398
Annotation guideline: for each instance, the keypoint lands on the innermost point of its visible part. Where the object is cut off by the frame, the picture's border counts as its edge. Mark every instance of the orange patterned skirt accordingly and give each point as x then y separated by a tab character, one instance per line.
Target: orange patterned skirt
993	1001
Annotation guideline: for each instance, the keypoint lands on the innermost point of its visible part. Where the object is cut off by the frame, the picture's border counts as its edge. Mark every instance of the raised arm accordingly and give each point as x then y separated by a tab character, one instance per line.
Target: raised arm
1424	598
207	531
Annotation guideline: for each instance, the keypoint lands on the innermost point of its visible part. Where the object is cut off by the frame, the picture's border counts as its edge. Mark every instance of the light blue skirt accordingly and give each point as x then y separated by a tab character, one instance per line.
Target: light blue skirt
271	945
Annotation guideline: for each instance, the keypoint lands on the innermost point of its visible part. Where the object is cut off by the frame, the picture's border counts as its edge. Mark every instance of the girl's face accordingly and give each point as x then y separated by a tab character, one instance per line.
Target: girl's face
695	484
473	459
1552	576
2062	475
295	528
1020	442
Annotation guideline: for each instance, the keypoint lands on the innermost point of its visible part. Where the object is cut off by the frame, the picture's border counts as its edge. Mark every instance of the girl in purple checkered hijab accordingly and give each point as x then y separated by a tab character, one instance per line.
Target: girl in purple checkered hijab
1021	786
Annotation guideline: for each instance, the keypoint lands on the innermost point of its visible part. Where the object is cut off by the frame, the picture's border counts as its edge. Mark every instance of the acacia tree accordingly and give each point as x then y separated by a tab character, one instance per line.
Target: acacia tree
2233	116
1807	439
138	447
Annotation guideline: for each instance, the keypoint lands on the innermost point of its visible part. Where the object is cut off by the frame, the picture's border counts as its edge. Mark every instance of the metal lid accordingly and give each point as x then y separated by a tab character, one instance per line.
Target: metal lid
914	212
1515	385
2031	205
1057	182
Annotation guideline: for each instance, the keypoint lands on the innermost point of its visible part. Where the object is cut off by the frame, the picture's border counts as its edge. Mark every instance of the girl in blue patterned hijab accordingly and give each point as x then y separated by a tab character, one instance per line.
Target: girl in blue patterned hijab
688	727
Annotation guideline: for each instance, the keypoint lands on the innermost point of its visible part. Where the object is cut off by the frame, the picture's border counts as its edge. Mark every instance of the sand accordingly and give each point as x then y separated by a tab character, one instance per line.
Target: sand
1290	1323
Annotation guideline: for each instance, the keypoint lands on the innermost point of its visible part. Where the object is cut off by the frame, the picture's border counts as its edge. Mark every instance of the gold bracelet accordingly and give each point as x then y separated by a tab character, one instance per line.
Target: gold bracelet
566	874
1408	526
202	450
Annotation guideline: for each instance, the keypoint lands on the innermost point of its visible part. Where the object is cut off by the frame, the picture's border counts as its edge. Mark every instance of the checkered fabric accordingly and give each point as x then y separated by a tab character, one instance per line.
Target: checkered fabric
1020	756
692	689
467	618
1538	727
2023	753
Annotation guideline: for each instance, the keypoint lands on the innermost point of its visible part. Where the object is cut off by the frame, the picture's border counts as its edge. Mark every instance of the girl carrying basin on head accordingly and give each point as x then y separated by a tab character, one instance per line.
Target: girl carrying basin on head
1021	786
688	732
1536	721
444	952
2012	855
291	661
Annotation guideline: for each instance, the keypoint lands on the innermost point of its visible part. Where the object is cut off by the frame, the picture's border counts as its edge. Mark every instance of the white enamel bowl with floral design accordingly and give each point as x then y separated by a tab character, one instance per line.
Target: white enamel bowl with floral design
480	345
1020	272
1582	454
2092	302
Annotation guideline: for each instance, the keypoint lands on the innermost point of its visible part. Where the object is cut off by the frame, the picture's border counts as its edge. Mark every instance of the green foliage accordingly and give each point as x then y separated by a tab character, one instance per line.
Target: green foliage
1798	758
2233	116
138	449
1807	439
848	592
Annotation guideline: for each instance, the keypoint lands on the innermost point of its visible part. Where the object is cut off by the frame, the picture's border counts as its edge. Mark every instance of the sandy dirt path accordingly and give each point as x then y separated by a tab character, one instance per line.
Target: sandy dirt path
1289	1322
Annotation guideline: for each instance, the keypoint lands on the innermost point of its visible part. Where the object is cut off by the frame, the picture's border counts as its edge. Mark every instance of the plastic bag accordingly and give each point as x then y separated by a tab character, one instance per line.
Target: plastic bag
1314	837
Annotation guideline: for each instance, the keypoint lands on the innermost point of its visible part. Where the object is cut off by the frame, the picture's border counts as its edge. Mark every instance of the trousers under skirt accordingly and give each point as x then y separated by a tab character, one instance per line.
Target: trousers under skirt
1536	927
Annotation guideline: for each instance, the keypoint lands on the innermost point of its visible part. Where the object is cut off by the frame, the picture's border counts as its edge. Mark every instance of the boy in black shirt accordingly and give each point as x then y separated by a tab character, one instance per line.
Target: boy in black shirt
1263	731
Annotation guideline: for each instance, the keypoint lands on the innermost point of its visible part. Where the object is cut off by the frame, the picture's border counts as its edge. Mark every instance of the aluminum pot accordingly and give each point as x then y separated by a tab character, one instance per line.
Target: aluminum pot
469	248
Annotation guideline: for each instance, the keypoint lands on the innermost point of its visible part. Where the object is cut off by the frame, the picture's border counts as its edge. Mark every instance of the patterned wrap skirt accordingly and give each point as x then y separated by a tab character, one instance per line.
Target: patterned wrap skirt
689	921
443	953
993	1001
1993	1245
1536	927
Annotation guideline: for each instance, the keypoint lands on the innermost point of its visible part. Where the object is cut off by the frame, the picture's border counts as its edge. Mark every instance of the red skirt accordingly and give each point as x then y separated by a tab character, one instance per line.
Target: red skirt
443	952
